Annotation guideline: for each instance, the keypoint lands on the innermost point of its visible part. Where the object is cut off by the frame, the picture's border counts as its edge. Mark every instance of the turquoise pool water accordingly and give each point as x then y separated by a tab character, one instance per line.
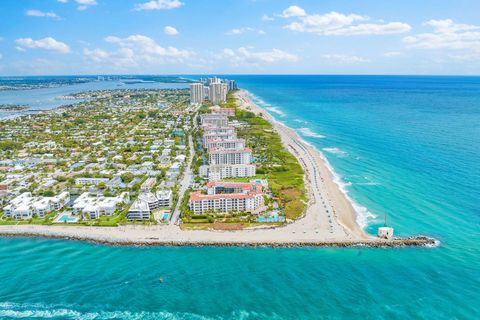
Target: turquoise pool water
67	218
271	218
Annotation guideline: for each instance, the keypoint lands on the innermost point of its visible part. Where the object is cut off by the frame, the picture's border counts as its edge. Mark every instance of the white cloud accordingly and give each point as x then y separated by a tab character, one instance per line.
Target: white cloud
97	55
293	11
171	31
62	1
344	59
446	34
266	17
245	55
339	24
392	54
84	4
159	5
38	13
1	56
134	51
47	43
237	31
372	29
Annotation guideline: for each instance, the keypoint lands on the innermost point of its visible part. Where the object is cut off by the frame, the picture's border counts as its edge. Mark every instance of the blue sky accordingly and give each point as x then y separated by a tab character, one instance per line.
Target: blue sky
42	37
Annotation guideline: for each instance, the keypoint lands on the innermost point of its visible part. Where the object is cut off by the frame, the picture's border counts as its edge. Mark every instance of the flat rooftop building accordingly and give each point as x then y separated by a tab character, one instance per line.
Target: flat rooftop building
25	205
219	172
225	197
229	144
221	156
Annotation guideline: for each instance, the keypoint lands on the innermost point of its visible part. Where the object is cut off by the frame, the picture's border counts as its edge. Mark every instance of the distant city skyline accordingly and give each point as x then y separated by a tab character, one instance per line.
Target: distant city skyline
63	37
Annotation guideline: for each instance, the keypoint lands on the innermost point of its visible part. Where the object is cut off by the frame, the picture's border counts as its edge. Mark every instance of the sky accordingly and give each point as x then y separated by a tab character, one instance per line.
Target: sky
77	37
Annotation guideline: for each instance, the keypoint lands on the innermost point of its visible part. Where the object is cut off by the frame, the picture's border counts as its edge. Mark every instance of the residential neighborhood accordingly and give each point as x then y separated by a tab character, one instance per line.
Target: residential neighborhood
132	156
115	158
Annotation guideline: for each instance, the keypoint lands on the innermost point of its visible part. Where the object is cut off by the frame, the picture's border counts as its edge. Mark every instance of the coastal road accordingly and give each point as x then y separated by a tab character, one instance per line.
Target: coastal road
186	181
187	177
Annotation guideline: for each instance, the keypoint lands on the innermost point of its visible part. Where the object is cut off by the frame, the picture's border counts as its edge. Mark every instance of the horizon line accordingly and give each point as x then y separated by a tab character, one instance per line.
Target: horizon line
241	74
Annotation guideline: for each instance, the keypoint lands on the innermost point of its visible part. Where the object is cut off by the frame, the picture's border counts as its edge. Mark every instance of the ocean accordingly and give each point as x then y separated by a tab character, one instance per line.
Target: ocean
407	148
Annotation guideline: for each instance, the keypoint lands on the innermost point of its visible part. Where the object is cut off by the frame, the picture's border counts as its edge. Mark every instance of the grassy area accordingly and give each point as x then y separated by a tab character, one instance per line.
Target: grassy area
280	167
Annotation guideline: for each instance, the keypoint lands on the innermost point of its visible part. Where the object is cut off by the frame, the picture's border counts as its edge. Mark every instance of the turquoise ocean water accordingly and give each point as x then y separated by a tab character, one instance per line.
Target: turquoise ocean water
406	146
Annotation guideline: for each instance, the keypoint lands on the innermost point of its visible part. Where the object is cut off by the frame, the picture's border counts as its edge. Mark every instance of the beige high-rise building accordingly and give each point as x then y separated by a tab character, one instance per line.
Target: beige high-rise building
197	93
218	92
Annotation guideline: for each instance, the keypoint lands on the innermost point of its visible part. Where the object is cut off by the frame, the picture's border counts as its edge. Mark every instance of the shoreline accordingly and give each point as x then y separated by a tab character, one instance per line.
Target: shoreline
329	189
334	176
328	221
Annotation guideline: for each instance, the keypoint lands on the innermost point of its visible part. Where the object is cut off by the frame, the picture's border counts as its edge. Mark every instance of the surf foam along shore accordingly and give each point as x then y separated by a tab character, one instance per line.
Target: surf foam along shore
363	215
329	206
330	219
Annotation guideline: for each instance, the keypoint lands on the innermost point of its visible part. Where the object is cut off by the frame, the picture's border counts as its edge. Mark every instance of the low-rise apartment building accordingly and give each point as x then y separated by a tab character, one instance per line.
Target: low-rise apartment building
148	201
95	206
225	197
25	205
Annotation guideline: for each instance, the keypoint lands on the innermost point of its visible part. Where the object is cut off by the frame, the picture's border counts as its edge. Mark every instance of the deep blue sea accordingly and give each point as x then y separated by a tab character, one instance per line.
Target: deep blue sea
408	147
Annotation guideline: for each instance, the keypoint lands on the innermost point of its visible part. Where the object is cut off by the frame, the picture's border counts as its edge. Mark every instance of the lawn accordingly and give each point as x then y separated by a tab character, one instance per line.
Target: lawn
280	167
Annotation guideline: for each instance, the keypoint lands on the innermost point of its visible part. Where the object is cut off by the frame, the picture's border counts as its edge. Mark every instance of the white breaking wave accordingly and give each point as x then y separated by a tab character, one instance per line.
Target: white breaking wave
367	183
300	121
266	105
336	151
276	110
363	215
41	311
309	133
258	100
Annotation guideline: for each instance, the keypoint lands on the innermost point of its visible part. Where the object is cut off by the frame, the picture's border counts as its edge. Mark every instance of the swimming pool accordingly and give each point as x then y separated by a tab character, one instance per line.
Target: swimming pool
67	218
271	218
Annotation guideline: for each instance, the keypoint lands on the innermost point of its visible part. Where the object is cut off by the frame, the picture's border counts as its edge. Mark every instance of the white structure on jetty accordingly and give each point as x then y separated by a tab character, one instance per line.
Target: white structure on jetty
385	233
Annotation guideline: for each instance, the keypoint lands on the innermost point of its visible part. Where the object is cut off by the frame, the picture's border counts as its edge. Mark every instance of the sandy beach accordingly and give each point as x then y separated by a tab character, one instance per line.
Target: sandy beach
329	218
